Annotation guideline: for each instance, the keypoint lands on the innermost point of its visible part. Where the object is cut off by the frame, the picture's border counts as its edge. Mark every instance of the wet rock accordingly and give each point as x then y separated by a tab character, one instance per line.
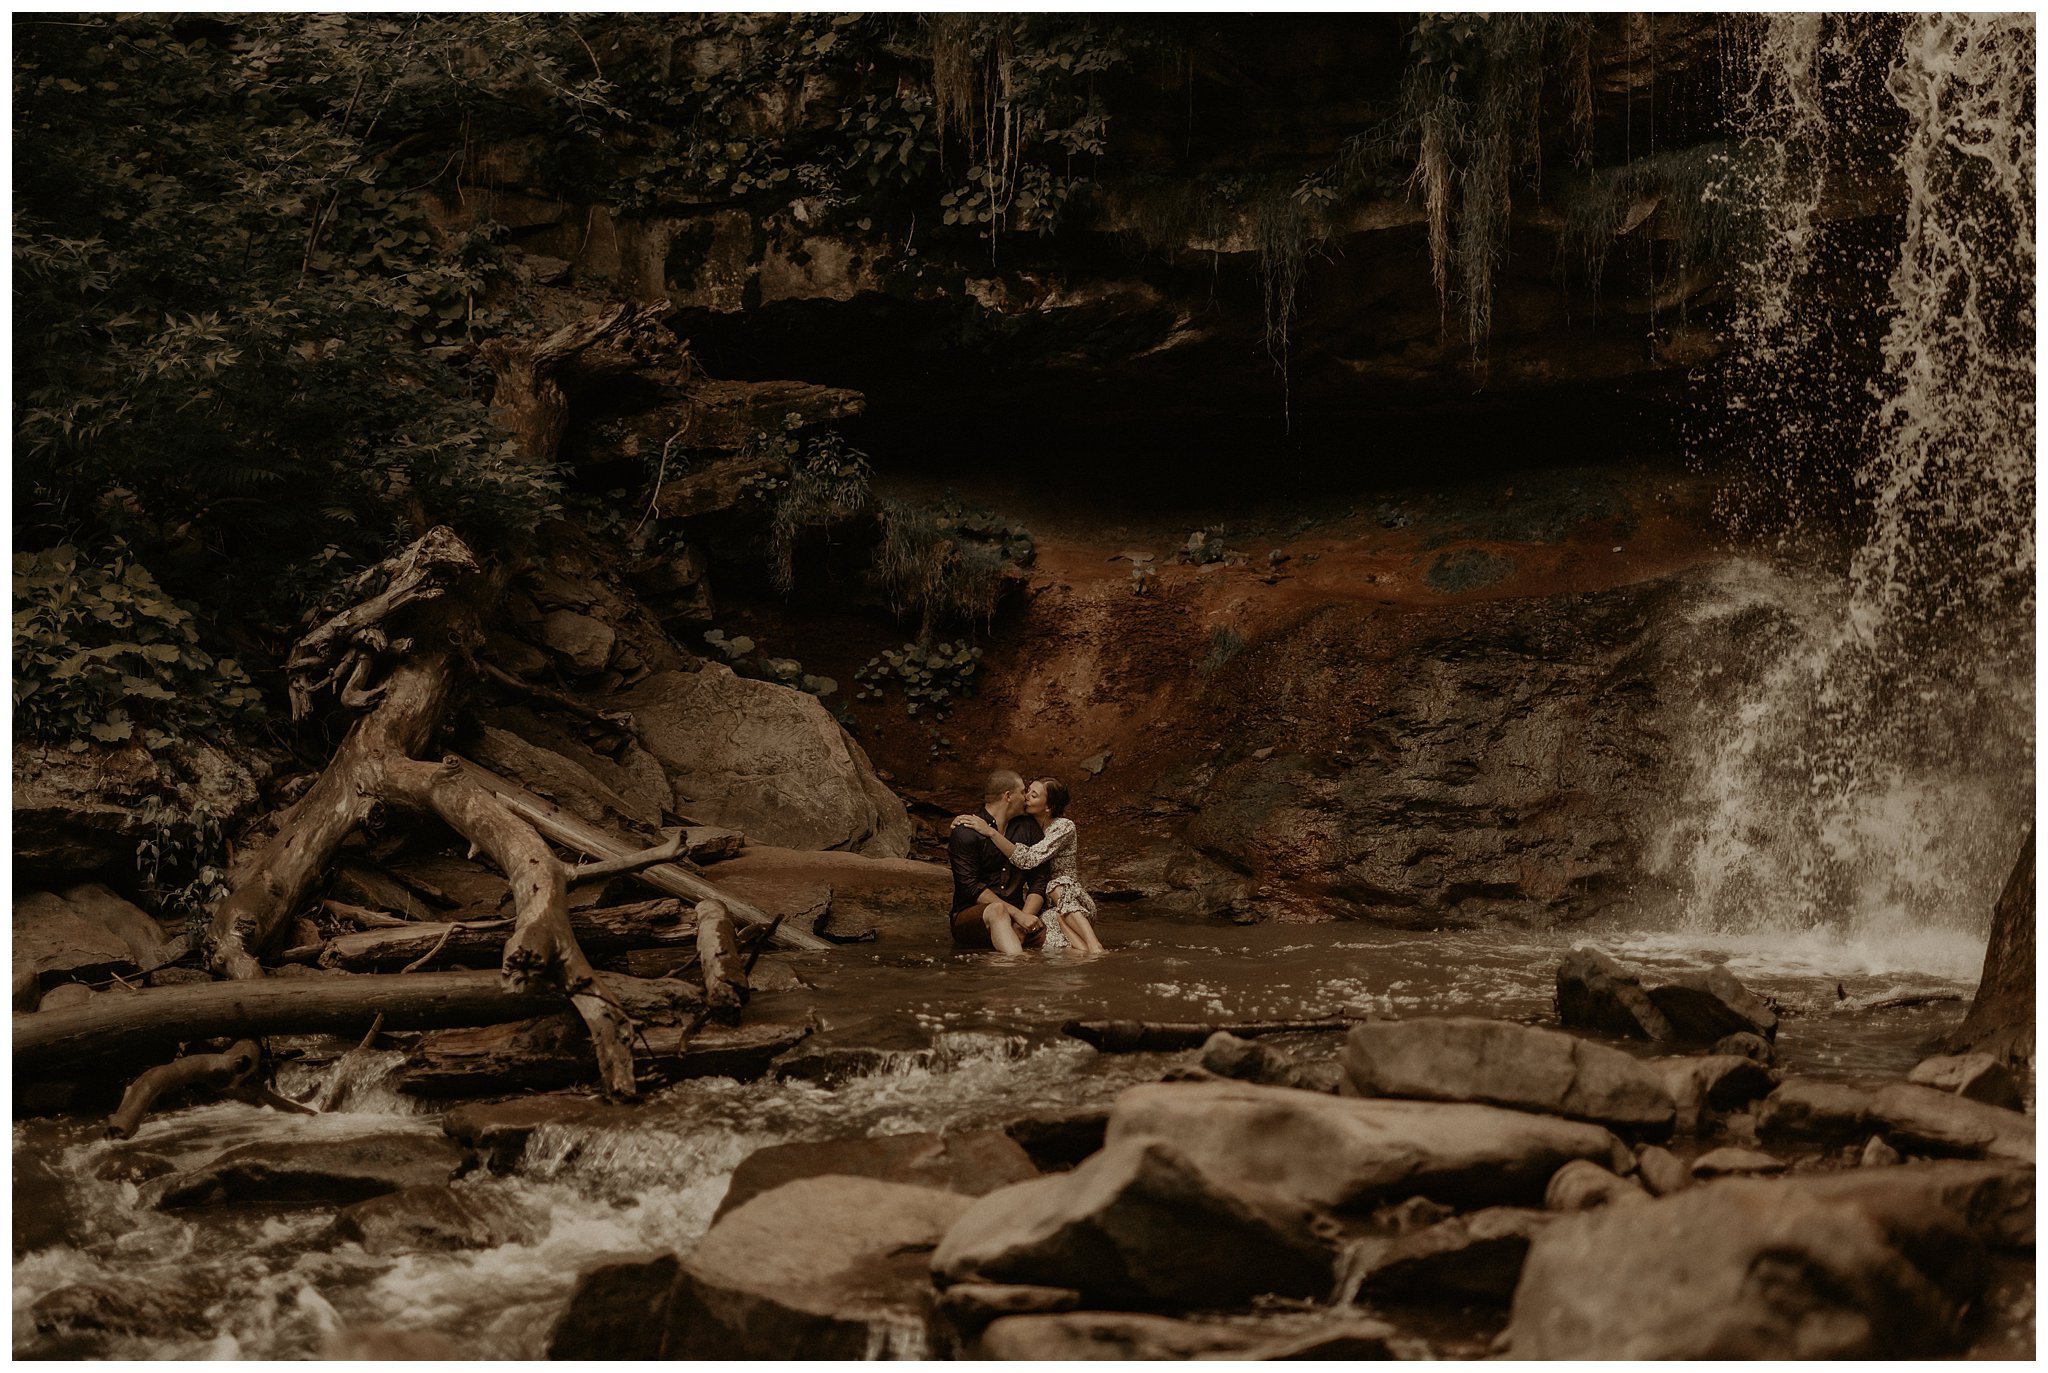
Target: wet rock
496	1132
1141	1222
1917	1119
1712	1082
1498	1063
619	1309
28	990
1995	1201
1978	1077
101	905
1708	1006
127	1165
1341	1152
1732	1162
820	1268
1110	1335
1660	1171
130	1308
972	1305
1877	1154
1416	1213
583	643
1746	1269
767	761
1582	1185
381	1342
1248	1060
1467	1258
972	1164
1743	1044
61	945
1058	1141
314	1172
177	977
1129	1335
1594	992
439	1217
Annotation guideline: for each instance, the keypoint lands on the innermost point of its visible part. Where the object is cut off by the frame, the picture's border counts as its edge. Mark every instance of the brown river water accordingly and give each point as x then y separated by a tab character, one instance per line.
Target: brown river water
967	1041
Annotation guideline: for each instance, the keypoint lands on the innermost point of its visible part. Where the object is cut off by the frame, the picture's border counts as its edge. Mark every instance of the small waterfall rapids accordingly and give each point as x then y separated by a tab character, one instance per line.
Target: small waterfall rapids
1863	743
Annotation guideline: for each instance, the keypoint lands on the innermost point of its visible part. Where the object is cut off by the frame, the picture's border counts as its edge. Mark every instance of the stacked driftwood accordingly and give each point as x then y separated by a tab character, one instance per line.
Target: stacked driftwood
675	969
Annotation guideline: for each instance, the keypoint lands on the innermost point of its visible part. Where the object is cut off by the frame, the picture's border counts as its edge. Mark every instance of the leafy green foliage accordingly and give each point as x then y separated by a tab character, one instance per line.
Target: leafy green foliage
183	863
932	677
240	337
101	652
823	482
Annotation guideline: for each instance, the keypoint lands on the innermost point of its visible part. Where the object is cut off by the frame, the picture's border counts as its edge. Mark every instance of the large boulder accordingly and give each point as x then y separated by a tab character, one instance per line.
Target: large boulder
1345	1152
1499	1063
1466	1258
1596	993
315	1172
972	1164
85	812
820	1268
1994	1200
60	945
1705	1083
1915	1118
617	1310
1980	1077
1707	1006
1744	1269
767	761
99	904
1141	1223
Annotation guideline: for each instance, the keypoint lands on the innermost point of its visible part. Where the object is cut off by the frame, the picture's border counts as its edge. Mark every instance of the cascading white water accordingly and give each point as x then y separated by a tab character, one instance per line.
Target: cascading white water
1864	742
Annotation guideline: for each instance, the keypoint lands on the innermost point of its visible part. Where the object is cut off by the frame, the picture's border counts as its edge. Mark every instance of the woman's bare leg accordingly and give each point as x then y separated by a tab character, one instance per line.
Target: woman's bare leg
1082	932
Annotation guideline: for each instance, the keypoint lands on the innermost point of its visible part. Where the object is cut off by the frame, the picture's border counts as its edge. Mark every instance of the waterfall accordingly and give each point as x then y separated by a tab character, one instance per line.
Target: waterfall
1863	737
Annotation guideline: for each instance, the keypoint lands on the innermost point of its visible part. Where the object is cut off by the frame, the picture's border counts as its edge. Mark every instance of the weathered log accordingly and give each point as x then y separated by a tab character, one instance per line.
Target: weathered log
542	949
2001	1018
666	851
617	720
600	930
1151	1036
550	1052
114	1030
229	1069
534	379
364	919
572	831
718	958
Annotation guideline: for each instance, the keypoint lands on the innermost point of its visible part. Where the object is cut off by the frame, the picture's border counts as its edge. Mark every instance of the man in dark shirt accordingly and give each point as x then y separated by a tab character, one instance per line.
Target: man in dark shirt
995	905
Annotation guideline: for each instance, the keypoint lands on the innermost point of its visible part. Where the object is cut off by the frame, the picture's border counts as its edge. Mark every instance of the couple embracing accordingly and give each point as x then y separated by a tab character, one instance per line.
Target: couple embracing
1016	874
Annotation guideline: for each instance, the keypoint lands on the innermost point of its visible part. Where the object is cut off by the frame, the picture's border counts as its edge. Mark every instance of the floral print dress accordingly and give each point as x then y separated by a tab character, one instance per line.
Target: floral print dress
1064	894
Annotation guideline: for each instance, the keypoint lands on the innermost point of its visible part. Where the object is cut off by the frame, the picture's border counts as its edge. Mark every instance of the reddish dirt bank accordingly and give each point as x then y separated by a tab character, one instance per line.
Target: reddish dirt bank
1247	660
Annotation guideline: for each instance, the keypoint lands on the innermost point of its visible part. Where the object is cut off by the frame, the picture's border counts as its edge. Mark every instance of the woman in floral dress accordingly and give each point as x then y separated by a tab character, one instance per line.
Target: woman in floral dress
1069	910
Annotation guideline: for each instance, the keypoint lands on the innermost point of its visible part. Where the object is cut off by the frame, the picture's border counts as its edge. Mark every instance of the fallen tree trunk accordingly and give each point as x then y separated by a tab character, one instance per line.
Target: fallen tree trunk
417	632
543	1054
116	1029
718	954
599	930
1155	1036
572	831
230	1069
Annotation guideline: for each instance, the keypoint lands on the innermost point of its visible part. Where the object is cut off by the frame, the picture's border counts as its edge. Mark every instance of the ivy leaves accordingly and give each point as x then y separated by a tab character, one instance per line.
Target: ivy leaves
101	652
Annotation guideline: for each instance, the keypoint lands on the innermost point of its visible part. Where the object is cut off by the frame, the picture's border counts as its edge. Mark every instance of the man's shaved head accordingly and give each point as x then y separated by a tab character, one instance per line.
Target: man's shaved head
1001	783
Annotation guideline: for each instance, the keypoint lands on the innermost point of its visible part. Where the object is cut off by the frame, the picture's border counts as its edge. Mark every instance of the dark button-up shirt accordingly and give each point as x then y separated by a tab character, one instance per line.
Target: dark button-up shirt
978	863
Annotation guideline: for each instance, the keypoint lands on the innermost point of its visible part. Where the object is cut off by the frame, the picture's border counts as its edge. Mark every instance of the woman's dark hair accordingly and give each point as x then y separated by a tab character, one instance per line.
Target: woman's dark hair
1055	796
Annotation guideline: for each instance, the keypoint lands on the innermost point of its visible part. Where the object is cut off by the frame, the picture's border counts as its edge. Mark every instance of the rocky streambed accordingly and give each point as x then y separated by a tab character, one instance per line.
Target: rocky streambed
937	1170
